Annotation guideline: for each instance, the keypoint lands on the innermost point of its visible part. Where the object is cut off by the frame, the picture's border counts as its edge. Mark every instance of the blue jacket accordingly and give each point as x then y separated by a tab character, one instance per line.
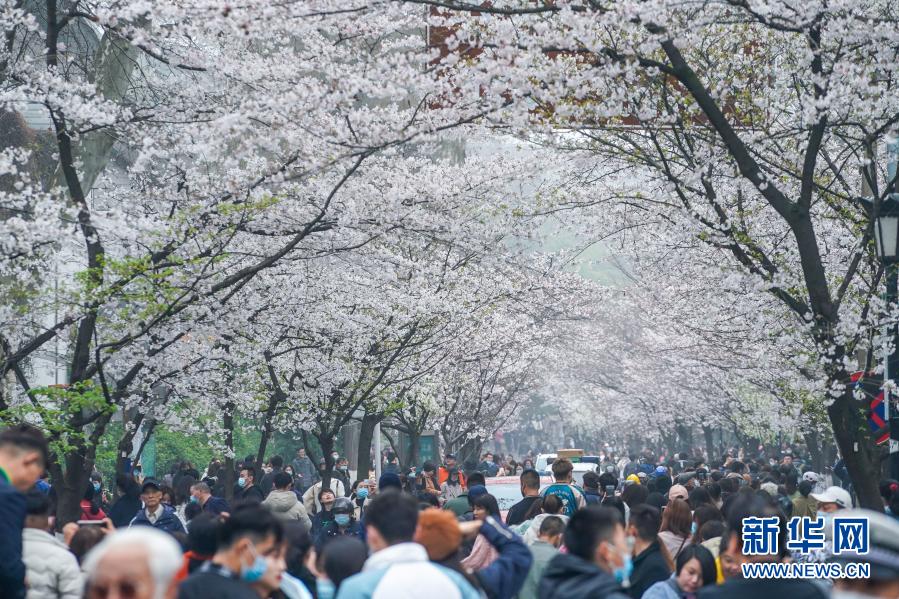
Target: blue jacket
167	522
12	522
215	505
504	577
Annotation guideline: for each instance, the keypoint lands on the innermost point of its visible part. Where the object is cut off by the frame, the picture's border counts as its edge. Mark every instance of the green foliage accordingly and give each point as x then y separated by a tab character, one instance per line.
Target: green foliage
173	446
55	406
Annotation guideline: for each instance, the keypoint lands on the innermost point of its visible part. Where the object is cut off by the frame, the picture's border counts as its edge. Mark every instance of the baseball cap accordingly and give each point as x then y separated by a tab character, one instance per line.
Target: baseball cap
150	482
677	492
810	476
661	471
883	554
835	495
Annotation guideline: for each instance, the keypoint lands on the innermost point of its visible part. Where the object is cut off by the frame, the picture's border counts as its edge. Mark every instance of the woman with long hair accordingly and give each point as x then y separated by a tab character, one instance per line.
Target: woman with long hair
482	553
693	569
702	514
676	529
90	504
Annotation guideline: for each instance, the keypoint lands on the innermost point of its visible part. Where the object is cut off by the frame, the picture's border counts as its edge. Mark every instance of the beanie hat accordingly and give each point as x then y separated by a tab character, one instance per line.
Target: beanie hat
476	491
388	480
438	531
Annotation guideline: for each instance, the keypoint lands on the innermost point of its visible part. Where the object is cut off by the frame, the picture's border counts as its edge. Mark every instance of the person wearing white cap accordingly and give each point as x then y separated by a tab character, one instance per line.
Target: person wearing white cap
833	499
883	559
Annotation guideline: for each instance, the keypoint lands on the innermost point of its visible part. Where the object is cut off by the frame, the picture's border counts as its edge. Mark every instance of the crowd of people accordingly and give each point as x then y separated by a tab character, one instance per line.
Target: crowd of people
638	526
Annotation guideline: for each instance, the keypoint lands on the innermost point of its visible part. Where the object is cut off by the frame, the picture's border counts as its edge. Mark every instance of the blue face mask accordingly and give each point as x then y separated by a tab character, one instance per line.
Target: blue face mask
241	482
693	528
96	486
362	493
342	519
193	499
324	589
256	570
624	572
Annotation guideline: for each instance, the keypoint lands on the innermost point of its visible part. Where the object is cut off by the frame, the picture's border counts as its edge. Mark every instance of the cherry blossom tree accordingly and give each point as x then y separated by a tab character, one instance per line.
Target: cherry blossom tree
755	122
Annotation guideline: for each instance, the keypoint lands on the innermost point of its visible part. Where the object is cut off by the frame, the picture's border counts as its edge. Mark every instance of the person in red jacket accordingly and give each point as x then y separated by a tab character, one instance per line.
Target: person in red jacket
90	503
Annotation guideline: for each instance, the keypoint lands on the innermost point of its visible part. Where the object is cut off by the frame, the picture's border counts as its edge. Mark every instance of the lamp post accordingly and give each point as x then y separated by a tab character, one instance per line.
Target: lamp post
886	237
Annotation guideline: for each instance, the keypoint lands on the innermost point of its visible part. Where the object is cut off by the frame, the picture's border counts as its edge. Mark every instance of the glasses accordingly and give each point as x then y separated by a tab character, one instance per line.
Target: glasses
124	589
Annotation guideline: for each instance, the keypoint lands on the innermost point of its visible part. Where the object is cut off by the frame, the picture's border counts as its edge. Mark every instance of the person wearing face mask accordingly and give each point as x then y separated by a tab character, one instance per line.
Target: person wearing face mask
359	497
248	563
342	472
694	569
249	490
90	503
201	494
343	524
598	561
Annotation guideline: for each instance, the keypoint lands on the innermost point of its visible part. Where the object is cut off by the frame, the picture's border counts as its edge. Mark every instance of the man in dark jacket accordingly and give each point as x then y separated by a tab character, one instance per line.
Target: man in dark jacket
249	490
530	492
597	560
201	494
23	457
591	489
343	524
127	505
267	482
155	513
650	565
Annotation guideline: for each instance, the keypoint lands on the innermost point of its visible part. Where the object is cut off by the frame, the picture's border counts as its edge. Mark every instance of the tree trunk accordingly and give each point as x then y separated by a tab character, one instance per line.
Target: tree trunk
852	440
709	436
414	449
228	476
74	483
814	450
366	435
470	451
267	428
309	454
126	443
326	442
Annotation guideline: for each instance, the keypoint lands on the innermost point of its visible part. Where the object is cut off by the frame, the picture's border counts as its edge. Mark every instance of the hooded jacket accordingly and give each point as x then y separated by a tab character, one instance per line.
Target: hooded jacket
403	570
168	521
286	506
570	577
53	571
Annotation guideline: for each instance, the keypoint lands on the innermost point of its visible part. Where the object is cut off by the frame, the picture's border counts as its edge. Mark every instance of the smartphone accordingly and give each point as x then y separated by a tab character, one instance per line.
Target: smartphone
91	523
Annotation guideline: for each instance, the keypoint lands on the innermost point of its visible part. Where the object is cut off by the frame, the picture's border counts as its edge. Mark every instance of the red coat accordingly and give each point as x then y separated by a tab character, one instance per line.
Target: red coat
86	512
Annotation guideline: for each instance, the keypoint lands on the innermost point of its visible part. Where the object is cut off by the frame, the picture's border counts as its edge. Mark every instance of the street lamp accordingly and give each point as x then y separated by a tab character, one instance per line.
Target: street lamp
886	240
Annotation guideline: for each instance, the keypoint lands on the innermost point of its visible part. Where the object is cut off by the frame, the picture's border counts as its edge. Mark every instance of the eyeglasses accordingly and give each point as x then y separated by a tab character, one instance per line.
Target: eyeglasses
124	589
